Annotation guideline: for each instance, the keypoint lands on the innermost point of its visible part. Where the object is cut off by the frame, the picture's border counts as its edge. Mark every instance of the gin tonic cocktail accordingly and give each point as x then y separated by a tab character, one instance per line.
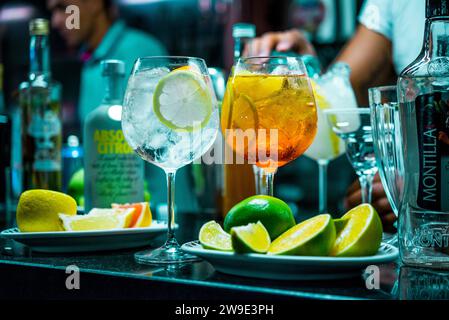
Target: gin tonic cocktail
170	118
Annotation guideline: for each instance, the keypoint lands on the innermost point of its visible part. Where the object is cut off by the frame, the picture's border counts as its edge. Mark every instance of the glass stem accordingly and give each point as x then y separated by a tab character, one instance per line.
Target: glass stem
171	240
259	175
322	185
366	184
269	182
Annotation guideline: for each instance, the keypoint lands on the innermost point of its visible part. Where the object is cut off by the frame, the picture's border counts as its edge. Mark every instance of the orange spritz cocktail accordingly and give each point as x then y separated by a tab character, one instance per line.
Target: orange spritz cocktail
276	114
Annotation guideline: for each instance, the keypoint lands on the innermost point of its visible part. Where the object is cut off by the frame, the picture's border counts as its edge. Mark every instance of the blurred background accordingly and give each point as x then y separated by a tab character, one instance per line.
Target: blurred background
195	28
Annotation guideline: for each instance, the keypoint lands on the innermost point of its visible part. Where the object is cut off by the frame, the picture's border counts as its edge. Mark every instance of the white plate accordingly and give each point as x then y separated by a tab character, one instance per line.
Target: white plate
290	267
86	241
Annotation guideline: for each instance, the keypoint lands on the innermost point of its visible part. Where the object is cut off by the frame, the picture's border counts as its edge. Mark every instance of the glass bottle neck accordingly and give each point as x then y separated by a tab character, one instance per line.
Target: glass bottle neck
436	37
239	46
39	57
114	90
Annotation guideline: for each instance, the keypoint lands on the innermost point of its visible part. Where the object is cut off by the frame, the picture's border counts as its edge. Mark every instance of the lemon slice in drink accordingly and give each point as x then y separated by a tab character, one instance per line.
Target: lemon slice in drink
250	238
213	237
361	234
313	237
182	101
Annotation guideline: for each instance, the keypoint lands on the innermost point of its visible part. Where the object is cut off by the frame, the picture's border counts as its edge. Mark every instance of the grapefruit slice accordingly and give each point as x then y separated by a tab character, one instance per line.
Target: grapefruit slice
142	215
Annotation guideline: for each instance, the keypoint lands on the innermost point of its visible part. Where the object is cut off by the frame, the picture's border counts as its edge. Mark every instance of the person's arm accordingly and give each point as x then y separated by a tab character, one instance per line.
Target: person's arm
369	54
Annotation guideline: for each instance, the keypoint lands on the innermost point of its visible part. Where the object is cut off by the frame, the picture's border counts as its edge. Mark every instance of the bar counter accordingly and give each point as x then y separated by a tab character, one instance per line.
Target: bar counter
115	275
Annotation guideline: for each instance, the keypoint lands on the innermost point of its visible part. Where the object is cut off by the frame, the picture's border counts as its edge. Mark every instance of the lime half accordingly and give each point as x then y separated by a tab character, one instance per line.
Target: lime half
361	235
213	237
250	238
182	101
313	237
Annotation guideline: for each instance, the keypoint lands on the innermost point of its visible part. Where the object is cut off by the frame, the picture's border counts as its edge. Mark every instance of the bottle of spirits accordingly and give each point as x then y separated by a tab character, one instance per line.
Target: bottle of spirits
238	179
113	172
423	93
243	34
40	99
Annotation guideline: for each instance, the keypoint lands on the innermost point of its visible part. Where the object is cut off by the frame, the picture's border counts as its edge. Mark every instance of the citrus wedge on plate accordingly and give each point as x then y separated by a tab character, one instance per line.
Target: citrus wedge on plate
361	235
142	215
275	215
313	237
213	237
250	238
182	100
98	219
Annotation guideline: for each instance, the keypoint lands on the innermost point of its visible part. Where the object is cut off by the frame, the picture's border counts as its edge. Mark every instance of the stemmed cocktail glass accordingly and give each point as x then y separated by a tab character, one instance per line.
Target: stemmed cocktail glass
269	116
354	127
170	118
332	90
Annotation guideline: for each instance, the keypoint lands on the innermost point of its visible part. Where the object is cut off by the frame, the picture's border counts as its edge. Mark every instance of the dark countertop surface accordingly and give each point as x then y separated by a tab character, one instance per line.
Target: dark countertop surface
115	275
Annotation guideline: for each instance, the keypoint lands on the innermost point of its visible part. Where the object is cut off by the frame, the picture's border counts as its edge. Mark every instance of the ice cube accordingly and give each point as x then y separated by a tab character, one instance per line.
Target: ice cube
280	70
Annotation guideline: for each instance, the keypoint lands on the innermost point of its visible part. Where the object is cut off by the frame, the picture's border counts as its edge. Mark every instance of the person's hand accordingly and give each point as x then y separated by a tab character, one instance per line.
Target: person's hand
379	202
442	136
291	40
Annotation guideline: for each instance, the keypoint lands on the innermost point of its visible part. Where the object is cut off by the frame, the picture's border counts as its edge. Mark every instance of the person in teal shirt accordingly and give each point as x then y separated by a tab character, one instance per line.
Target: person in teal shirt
100	37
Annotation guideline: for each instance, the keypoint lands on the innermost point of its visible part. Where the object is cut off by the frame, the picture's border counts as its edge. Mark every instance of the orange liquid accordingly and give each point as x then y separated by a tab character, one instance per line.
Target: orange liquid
239	184
283	107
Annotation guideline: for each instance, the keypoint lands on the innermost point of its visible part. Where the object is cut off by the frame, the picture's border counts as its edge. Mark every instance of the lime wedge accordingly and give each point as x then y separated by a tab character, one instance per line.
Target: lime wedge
361	235
182	101
250	238
313	237
213	237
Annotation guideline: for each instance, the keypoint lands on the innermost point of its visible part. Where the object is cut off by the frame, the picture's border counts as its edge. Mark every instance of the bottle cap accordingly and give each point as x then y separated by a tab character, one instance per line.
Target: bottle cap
39	27
73	141
112	67
437	8
243	30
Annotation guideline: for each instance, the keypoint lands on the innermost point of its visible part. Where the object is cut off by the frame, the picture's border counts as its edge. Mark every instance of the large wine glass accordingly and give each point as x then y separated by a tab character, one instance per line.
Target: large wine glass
170	118
269	116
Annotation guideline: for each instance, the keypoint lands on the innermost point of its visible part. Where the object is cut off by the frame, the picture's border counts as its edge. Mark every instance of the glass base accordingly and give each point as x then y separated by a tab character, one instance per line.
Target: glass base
169	253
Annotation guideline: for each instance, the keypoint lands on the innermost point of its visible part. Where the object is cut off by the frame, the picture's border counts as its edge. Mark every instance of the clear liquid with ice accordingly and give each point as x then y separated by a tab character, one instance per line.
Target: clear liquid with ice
150	138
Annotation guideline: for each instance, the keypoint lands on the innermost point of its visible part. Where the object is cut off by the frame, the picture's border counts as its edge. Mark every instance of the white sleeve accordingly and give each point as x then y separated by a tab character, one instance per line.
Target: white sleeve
376	15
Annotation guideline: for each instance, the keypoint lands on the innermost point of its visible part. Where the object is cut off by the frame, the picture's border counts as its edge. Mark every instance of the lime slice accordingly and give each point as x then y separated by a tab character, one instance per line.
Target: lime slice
182	101
362	234
213	237
313	237
250	238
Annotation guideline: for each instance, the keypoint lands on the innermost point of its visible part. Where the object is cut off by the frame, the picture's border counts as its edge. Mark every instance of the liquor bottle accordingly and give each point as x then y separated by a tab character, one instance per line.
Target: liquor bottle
40	99
5	151
238	179
423	93
243	34
113	172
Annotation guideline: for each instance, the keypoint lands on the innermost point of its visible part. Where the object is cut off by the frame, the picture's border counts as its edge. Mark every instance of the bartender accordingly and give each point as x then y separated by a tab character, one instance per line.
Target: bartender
100	37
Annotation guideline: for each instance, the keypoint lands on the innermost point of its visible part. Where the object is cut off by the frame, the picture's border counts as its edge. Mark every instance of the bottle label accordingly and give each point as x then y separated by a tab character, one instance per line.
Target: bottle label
432	117
116	171
44	129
